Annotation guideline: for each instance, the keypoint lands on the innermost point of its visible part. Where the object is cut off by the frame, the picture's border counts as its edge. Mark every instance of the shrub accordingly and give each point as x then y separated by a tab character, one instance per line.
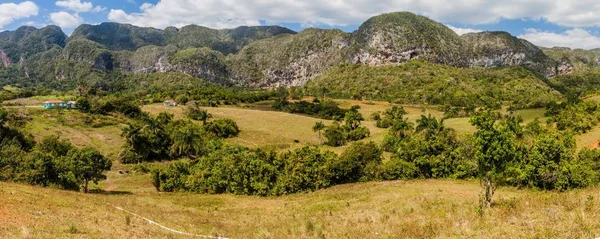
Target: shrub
222	128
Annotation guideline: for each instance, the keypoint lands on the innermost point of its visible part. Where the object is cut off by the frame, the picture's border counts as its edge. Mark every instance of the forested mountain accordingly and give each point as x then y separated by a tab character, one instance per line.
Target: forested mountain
262	56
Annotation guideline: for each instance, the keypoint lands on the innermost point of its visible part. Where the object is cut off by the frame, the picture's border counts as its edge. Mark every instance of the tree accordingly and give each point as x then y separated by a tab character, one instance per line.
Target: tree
353	119
318	127
87	165
199	114
188	141
3	116
335	135
495	149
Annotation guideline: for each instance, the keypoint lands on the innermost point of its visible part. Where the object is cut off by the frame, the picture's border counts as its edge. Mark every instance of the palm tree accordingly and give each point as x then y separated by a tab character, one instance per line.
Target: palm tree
430	125
319	126
132	133
188	141
203	115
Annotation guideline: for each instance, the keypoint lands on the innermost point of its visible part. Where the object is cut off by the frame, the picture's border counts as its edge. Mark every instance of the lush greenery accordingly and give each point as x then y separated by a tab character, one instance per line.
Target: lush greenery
424	83
162	138
579	117
51	163
326	109
238	170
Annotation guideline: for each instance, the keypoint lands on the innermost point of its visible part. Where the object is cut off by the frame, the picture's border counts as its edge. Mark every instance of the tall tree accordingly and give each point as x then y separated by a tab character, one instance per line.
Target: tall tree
495	148
318	127
87	165
188	141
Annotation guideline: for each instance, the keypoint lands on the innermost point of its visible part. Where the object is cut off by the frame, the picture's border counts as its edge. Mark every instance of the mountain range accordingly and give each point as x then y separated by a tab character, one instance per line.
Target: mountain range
267	56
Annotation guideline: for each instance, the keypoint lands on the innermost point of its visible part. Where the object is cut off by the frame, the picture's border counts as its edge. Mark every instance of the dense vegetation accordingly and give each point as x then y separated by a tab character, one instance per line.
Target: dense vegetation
425	83
50	163
162	138
326	109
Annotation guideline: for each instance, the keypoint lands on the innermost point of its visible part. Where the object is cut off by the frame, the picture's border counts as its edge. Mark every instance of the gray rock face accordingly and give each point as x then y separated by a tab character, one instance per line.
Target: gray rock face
507	58
4	59
388	56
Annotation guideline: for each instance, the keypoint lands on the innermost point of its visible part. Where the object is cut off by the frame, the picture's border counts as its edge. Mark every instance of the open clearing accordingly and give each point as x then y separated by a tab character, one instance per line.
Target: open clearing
400	209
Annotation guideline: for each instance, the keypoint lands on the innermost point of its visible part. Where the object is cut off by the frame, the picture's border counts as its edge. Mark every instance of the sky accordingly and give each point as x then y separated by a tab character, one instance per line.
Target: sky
547	23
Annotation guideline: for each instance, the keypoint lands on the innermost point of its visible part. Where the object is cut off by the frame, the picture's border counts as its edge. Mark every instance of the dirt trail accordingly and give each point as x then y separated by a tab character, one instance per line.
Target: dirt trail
166	228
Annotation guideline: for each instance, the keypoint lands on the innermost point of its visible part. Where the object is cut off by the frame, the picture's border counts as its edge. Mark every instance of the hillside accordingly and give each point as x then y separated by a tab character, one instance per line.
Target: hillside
118	37
402	36
426	83
497	49
581	60
430	208
260	56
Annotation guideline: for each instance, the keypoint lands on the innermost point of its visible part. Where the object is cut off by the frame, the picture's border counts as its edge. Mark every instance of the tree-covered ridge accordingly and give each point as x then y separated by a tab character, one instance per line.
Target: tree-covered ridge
582	60
289	59
27	41
263	56
425	83
117	37
486	49
393	34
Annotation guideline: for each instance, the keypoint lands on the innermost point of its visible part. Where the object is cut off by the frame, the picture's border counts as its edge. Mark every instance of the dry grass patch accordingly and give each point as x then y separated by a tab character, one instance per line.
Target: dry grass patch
400	209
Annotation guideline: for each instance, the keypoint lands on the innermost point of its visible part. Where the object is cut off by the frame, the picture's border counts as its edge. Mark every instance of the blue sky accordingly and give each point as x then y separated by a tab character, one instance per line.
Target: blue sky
543	22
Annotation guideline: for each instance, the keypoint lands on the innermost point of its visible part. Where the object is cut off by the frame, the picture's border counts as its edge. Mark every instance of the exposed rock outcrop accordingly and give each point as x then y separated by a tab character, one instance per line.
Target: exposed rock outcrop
4	59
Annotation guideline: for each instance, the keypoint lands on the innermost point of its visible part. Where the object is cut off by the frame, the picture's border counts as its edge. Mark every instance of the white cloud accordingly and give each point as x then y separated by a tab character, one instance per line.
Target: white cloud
65	19
11	11
575	38
76	5
462	31
99	9
229	13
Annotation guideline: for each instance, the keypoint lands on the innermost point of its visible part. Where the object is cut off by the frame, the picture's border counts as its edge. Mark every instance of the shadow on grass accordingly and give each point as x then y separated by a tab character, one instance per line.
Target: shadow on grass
103	192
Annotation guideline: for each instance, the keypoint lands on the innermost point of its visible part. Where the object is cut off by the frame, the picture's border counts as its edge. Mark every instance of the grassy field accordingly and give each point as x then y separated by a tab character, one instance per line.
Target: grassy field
71	125
399	209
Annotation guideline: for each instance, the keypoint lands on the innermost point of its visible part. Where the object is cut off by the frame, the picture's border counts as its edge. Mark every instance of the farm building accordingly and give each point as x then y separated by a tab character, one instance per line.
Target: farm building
170	103
55	104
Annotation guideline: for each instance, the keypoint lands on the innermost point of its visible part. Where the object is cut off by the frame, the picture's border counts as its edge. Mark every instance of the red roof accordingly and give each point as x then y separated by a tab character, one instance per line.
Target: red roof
169	101
53	101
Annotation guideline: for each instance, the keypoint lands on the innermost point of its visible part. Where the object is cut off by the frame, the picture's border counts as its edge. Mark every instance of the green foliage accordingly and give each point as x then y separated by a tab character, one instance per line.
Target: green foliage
323	109
196	113
390	116
85	165
418	83
335	135
404	31
250	171
359	162
579	117
162	138
429	151
222	128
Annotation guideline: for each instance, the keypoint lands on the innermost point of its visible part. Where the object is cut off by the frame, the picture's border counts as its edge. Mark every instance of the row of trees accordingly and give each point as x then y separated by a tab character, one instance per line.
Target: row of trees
239	170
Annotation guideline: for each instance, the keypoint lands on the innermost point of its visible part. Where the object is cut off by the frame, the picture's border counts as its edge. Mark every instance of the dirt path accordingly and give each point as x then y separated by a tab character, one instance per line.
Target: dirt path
167	228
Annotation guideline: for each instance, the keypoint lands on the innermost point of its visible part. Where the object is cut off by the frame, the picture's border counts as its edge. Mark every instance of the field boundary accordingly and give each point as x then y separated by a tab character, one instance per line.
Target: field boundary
165	227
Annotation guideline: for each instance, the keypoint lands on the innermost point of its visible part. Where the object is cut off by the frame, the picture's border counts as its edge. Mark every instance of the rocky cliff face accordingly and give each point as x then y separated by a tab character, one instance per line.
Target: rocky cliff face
498	49
274	56
4	59
399	37
289	60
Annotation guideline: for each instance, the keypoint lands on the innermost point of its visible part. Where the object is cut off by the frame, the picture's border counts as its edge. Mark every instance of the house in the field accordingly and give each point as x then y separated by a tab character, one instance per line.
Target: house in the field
72	104
55	104
170	103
